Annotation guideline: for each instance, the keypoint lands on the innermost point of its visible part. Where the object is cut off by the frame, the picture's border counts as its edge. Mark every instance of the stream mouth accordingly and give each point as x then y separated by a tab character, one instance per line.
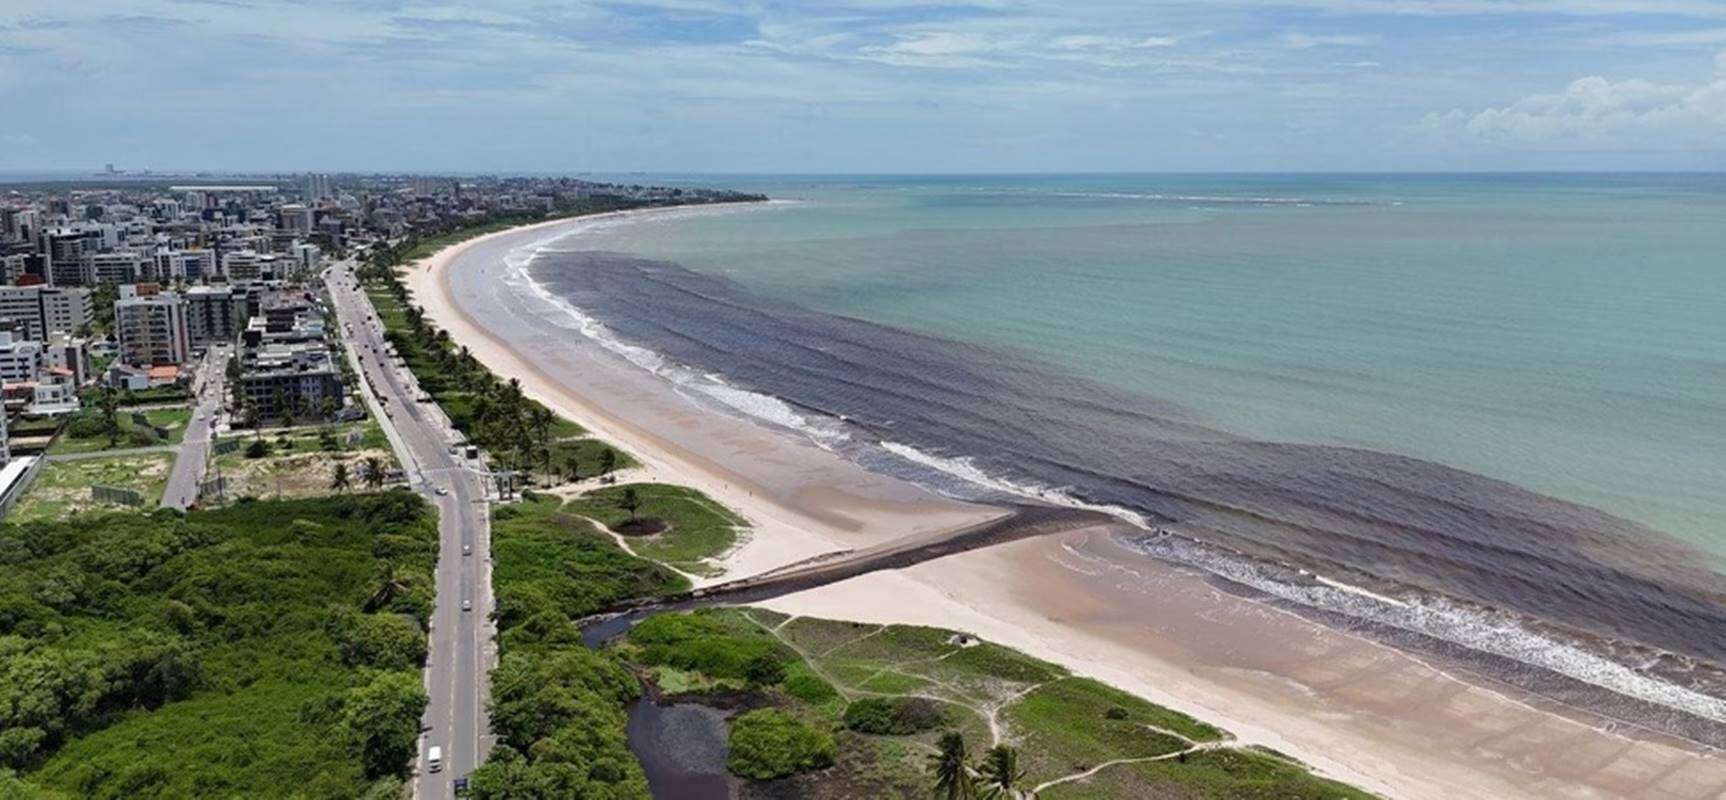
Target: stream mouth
682	747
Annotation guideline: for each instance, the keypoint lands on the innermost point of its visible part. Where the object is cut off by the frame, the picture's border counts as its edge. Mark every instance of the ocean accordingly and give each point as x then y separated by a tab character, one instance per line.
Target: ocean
1484	410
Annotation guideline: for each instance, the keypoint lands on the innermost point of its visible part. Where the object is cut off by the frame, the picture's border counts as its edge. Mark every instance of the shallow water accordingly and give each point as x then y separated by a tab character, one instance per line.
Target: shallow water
681	748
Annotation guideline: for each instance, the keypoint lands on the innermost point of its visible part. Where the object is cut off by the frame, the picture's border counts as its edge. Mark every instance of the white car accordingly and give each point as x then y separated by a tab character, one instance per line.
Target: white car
441	491
466	605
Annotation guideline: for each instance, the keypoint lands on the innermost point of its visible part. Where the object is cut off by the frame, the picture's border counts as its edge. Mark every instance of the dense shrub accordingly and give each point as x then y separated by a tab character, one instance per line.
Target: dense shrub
767	744
382	641
893	716
871	715
169	655
696	643
381	721
86	426
142	437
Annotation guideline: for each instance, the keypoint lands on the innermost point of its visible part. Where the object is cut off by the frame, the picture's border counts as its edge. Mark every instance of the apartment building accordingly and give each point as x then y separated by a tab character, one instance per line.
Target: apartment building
152	327
38	312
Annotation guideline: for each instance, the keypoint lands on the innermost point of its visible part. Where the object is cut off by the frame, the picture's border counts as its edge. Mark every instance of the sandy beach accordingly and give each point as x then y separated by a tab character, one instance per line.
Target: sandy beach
1353	709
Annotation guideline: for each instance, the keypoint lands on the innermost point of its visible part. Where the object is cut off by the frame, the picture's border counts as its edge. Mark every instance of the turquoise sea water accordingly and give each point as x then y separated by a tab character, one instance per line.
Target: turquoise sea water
1564	333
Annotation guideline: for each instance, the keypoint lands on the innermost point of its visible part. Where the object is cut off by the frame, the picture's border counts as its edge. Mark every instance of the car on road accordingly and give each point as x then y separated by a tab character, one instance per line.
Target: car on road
466	604
467	549
434	759
441	491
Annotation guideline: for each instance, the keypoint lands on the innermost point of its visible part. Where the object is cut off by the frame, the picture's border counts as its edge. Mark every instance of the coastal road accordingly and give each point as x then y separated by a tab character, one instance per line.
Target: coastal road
462	650
210	383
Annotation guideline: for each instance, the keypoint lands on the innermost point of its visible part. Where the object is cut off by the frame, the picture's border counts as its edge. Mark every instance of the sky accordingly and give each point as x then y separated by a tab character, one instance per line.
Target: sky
867	86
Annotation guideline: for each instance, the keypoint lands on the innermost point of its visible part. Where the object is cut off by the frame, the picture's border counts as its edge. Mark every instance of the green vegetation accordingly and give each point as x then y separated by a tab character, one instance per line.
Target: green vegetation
270	649
522	433
912	710
558	707
718	646
303	461
767	743
62	488
155	395
691	528
551	568
88	431
893	716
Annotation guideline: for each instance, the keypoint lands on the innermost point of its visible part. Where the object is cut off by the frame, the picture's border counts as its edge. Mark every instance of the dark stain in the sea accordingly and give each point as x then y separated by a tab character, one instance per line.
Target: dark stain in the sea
1344	510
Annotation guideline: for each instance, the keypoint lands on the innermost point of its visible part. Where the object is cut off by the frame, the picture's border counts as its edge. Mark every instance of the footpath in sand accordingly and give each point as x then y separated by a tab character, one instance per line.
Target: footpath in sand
1352	709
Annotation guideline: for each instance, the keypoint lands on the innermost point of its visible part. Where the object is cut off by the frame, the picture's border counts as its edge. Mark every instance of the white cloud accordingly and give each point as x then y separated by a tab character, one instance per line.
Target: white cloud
1701	37
1599	113
1077	42
1303	41
936	49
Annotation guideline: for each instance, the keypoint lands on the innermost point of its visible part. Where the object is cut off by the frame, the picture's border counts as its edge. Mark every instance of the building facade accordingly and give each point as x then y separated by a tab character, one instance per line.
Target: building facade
152	328
39	312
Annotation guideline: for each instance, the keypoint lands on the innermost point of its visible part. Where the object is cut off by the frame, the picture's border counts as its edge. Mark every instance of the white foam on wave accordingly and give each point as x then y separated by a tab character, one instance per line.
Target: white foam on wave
1473	628
1498	634
711	386
966	469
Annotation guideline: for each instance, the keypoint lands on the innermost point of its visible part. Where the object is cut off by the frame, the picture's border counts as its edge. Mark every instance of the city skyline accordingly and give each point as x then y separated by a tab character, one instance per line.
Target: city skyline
865	86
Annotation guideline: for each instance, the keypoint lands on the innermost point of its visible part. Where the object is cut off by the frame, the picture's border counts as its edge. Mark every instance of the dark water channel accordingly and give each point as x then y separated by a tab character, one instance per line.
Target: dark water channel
681	746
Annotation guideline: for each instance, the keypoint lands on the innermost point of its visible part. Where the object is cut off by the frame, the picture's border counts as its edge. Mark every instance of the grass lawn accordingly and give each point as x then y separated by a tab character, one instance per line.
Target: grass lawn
1061	724
62	488
173	419
697	528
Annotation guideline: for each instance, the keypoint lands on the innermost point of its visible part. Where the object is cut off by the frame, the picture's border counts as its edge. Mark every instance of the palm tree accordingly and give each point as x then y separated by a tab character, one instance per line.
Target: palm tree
339	481
109	401
953	779
607	461
1002	774
250	417
389	587
372	472
572	468
542	418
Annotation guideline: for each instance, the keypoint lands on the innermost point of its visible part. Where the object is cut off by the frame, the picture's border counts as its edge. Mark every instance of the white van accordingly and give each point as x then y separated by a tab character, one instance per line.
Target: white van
434	759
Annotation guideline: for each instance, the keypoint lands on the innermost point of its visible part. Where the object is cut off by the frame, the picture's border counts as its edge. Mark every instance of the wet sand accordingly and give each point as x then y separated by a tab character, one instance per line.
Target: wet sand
1353	709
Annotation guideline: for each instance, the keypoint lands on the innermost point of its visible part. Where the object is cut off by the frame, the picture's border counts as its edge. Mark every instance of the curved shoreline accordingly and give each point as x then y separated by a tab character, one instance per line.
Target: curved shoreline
1071	599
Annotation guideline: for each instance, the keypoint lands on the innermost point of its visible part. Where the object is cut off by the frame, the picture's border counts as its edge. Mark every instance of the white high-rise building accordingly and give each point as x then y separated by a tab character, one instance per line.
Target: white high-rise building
152	328
38	312
318	187
20	359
